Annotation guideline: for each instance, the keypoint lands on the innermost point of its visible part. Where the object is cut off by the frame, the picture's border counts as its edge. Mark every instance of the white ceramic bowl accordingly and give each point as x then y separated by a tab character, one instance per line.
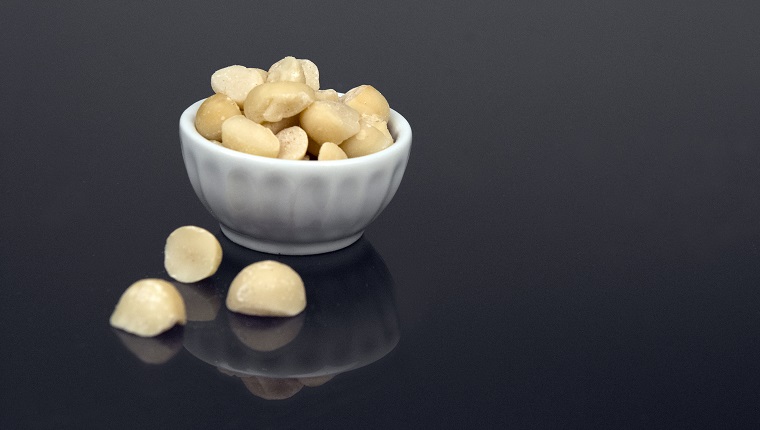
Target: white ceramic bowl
293	207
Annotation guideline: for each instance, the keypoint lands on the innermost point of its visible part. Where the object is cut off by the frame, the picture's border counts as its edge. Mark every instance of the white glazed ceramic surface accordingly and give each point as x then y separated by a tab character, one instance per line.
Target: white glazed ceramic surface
293	207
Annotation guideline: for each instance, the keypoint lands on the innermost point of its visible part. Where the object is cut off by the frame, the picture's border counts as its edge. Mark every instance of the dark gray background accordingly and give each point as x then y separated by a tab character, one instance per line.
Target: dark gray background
575	243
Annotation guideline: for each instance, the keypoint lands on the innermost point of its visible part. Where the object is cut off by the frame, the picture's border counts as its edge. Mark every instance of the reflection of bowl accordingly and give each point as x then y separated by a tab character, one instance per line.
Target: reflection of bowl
293	207
350	319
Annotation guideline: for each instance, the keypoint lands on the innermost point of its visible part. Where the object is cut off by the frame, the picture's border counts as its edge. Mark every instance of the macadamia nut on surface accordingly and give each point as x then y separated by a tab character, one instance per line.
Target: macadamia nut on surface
191	254
267	288
149	307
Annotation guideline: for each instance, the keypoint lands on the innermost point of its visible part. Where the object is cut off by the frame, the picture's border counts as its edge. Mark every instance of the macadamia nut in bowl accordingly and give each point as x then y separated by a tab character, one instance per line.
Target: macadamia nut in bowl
286	206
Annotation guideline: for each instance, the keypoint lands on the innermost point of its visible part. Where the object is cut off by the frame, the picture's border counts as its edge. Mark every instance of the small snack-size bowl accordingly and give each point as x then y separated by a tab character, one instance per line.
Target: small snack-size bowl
293	207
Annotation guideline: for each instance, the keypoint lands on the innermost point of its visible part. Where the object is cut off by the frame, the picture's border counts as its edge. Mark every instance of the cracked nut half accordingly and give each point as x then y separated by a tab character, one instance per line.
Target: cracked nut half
149	307
191	254
267	288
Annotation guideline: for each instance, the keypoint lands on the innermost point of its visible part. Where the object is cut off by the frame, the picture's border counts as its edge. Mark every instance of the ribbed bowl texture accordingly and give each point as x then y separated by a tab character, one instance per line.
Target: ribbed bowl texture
293	207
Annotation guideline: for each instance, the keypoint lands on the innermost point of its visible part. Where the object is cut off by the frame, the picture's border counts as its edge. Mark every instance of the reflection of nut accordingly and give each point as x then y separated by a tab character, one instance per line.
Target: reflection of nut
272	388
265	334
315	381
152	350
267	288
192	253
149	307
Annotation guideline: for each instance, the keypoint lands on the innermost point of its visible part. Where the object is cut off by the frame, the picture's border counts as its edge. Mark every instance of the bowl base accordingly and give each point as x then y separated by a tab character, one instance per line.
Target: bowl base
287	248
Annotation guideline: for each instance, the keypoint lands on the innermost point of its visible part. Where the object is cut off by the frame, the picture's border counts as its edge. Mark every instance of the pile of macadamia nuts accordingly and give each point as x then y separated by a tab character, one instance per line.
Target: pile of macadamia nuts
282	113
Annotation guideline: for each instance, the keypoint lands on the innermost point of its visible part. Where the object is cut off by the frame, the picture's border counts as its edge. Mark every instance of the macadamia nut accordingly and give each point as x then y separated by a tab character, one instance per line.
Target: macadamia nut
149	307
328	95
367	141
235	81
212	113
326	121
253	106
310	73
287	69
242	134
378	123
282	124
331	151
263	73
293	143
273	101
267	288
367	100
191	254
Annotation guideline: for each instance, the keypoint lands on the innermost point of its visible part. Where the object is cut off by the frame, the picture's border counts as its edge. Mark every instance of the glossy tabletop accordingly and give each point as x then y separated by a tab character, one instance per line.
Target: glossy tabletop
575	243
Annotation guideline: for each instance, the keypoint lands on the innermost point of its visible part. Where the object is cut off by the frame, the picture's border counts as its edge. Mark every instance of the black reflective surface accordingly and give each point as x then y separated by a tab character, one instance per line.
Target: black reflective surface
350	320
575	243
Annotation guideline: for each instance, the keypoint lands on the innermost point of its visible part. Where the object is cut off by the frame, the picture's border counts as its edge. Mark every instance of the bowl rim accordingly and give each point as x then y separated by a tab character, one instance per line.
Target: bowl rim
397	124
